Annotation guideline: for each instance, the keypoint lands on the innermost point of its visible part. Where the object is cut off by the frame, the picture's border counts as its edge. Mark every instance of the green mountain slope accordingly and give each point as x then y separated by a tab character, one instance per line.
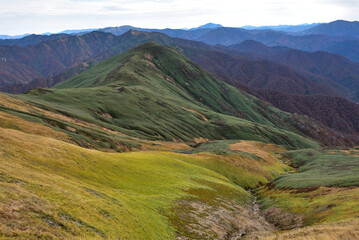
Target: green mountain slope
154	92
50	189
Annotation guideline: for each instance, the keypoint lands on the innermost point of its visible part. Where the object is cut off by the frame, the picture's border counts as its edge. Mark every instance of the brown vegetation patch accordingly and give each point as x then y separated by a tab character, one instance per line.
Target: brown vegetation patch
347	230
262	150
305	190
201	140
205	216
228	220
106	115
25	216
282	220
195	112
149	59
331	191
163	146
16	123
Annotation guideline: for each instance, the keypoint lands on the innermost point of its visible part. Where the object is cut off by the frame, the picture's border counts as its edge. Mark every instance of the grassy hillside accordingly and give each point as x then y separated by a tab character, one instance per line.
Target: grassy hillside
52	189
322	168
323	189
154	92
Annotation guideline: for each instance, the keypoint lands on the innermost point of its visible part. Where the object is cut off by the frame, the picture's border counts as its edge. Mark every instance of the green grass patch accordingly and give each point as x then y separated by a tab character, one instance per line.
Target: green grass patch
321	167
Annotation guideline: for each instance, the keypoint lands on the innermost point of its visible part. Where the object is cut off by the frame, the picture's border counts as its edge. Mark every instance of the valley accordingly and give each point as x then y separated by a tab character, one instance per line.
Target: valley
207	133
170	190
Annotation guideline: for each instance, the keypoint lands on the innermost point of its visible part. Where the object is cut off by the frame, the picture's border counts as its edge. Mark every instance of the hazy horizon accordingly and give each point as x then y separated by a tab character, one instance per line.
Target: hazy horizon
19	17
187	28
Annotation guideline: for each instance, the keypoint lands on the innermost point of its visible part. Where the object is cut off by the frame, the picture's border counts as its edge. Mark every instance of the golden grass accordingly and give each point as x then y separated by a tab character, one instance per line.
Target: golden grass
50	189
12	122
10	102
262	150
346	230
162	146
244	170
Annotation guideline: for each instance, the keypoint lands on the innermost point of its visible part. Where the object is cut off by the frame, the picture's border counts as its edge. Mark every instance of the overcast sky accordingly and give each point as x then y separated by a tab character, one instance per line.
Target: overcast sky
39	16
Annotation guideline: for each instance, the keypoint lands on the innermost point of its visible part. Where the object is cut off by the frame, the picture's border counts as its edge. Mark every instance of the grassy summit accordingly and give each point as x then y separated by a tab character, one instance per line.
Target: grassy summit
154	92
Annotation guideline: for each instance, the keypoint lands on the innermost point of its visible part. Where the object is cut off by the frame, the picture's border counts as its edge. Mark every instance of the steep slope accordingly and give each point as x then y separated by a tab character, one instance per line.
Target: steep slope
343	113
257	73
335	112
170	98
49	58
47	82
330	69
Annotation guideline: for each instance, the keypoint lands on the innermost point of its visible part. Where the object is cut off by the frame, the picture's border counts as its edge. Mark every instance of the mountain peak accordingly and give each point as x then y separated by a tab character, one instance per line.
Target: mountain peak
208	25
336	28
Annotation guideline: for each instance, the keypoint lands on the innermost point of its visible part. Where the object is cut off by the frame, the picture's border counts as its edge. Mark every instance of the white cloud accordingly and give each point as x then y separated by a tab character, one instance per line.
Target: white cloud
19	16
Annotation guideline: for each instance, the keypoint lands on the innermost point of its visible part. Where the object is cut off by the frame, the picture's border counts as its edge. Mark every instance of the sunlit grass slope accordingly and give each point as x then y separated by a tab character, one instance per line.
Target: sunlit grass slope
54	189
246	163
50	188
154	92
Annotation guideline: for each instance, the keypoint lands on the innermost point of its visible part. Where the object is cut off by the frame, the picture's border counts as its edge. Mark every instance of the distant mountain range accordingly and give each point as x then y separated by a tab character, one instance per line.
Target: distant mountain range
312	39
336	28
266	72
319	72
13	37
284	28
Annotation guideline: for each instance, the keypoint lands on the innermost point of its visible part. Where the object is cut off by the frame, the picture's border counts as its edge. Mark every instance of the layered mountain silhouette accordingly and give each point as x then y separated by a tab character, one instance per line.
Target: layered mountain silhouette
249	65
336	28
337	70
334	70
49	58
164	95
